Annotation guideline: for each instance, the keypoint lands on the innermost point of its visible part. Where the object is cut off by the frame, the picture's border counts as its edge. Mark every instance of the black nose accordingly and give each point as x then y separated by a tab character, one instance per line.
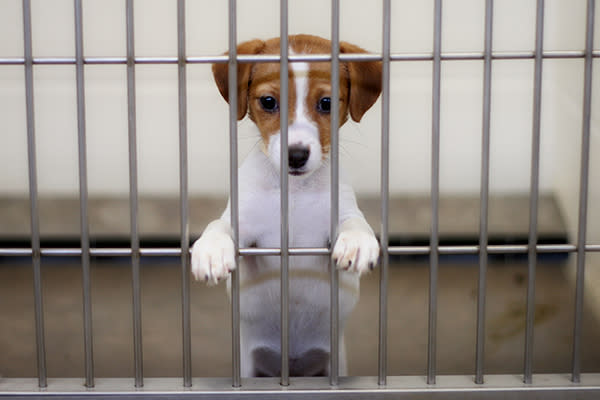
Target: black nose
298	156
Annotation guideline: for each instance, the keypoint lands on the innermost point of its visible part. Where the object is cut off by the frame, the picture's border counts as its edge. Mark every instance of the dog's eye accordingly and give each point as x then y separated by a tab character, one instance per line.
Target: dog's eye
269	103
324	105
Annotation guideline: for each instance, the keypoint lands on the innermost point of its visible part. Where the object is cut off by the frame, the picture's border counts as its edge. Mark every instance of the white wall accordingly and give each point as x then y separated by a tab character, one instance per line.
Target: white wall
565	109
104	30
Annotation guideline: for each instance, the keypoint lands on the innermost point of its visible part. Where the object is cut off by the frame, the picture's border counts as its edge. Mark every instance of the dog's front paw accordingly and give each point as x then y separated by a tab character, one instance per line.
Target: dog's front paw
356	250
213	257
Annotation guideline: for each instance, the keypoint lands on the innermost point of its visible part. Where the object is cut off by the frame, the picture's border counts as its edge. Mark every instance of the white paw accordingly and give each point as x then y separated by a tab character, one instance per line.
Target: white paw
213	257
356	250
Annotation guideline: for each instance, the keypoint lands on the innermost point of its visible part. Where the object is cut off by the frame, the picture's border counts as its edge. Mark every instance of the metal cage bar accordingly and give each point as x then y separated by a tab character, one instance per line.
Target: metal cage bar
447	56
83	198
183	197
484	192
385	193
435	192
284	190
534	192
233	193
503	249
583	191
335	192
545	386
133	200
353	387
33	198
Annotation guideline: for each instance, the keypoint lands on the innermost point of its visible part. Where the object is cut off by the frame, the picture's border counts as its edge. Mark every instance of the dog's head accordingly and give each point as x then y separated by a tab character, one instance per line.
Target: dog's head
309	99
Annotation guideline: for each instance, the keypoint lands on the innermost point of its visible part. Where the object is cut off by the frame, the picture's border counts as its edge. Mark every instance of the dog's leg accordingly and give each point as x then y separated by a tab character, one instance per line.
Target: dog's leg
213	255
356	248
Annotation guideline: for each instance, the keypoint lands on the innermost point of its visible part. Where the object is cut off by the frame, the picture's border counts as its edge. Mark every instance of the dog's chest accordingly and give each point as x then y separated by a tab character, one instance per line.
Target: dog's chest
308	219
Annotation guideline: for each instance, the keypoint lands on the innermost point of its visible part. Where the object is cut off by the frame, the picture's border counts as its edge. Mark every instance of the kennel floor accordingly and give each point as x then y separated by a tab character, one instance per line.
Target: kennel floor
211	325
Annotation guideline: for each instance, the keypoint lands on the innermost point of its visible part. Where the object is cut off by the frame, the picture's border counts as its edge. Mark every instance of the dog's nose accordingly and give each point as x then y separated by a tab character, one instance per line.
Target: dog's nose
298	156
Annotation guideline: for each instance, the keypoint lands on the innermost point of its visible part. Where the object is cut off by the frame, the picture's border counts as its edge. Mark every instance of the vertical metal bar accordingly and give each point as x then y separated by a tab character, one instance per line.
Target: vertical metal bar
133	200
83	198
335	189
183	196
484	192
233	189
583	192
33	198
283	126
385	193
534	190
435	189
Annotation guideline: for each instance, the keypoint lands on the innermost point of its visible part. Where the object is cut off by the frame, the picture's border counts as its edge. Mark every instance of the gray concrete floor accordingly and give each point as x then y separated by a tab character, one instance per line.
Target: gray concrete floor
408	296
408	302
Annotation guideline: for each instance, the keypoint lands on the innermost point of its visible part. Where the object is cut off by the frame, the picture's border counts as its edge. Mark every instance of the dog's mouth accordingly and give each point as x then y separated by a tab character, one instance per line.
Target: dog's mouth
296	172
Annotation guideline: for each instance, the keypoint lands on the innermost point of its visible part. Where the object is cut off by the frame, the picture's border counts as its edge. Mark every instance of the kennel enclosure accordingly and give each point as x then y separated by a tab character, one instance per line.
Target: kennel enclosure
433	385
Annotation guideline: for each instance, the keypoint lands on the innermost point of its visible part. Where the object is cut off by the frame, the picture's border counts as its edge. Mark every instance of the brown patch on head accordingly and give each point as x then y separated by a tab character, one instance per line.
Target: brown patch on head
221	75
319	87
360	85
266	82
364	80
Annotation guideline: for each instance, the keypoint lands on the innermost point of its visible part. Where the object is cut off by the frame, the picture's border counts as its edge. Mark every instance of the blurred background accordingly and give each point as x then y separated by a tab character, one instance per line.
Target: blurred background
410	153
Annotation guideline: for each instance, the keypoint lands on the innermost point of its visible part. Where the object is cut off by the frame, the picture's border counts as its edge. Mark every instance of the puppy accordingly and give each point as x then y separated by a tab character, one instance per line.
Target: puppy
356	249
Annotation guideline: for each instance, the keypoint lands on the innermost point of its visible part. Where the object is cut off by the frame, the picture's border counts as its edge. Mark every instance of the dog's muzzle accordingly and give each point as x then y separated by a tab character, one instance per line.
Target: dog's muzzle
297	158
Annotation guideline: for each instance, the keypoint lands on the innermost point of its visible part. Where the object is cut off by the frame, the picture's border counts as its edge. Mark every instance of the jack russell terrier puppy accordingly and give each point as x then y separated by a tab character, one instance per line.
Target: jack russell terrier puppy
356	249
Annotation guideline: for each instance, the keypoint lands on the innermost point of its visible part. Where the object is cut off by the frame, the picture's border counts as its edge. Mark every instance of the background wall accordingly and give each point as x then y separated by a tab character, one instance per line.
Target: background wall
412	31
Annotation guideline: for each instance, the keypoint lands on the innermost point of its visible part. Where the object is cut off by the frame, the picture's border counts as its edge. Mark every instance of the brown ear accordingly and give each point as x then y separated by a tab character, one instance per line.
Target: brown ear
365	82
221	74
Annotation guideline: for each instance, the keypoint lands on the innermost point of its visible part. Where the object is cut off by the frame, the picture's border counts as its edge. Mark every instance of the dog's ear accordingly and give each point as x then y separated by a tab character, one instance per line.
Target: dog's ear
364	82
221	74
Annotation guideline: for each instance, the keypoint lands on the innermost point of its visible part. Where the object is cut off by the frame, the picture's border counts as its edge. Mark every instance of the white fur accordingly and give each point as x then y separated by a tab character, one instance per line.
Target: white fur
356	249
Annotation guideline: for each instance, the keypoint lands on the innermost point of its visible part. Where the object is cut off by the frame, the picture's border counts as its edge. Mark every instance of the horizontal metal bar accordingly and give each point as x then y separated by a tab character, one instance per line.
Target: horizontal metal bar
262	58
298	251
547	386
16	252
492	249
303	251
